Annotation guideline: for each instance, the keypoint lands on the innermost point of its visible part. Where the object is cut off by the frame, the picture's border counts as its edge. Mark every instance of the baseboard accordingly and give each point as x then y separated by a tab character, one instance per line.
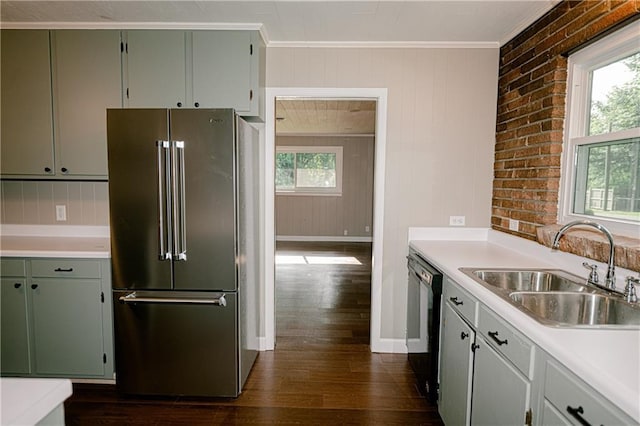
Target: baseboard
341	239
395	346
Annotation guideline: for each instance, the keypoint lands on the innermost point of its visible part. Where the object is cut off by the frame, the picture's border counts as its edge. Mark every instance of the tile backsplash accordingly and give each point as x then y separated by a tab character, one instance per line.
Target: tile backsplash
34	202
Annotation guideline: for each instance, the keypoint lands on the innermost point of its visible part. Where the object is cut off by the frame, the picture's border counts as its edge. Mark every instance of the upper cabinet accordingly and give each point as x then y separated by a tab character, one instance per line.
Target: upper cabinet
56	87
58	84
195	69
154	64
27	123
86	81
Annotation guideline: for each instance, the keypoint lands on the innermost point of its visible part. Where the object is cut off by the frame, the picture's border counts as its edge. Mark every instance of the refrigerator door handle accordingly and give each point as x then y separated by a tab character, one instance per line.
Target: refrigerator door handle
134	298
164	219
178	189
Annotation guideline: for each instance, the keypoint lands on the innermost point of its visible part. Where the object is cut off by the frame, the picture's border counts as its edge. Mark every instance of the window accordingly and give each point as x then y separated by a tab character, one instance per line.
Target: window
309	170
602	140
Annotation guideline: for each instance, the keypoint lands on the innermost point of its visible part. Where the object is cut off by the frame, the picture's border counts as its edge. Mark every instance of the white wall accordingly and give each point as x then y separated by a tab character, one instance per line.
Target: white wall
440	138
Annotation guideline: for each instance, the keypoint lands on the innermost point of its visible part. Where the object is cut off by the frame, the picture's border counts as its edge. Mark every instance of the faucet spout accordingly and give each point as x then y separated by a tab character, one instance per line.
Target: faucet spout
610	280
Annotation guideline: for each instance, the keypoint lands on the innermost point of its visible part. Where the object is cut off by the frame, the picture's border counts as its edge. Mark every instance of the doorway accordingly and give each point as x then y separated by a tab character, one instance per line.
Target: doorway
380	97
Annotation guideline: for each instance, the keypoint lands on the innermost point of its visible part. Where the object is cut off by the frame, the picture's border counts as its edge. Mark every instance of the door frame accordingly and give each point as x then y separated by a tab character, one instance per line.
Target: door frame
380	96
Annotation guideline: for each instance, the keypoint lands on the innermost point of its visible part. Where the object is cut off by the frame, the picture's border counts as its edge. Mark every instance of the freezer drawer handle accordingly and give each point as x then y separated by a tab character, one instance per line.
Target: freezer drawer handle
133	298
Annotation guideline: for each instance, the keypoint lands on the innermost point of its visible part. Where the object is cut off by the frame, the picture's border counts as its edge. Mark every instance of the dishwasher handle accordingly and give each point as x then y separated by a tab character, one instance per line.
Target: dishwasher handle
133	298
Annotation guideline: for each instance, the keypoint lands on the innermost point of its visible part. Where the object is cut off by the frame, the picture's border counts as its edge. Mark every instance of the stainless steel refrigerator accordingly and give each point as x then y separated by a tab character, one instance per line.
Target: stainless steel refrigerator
184	242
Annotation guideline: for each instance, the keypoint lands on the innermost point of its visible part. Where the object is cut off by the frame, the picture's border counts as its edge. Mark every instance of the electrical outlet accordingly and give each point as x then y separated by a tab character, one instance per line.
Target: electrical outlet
61	213
514	224
456	220
367	229
346	232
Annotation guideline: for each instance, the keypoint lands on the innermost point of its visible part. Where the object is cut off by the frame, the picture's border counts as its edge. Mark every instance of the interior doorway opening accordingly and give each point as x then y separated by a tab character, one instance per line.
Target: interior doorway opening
309	95
324	163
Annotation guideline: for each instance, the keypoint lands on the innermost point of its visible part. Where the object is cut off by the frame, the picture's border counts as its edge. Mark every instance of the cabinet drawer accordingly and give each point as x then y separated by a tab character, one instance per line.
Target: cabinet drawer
461	301
71	268
13	267
506	340
570	395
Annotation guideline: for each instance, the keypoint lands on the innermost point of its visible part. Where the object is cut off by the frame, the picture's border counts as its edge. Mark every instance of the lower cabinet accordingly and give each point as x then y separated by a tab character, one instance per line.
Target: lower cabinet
491	374
456	367
14	348
481	363
501	395
56	319
570	401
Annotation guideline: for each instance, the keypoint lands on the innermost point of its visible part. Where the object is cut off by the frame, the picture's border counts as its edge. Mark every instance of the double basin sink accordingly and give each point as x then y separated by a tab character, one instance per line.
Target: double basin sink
558	298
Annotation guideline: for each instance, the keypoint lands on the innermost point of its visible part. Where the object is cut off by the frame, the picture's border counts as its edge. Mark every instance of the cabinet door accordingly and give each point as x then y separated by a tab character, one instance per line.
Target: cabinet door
222	69
456	367
501	395
14	345
155	69
86	81
67	326
26	141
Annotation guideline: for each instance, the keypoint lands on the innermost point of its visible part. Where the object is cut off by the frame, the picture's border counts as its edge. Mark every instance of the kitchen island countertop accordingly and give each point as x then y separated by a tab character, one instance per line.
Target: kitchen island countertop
28	401
608	360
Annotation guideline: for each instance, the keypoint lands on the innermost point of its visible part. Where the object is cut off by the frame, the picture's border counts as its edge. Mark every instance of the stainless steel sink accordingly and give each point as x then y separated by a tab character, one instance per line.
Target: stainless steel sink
528	280
578	309
557	298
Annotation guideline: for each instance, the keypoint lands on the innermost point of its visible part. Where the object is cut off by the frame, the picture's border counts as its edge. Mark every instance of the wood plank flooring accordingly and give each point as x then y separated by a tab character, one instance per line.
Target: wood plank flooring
321	372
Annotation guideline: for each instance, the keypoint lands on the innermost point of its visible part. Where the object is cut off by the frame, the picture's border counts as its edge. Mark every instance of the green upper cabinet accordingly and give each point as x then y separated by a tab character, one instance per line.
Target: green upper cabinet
56	87
86	81
155	69
27	127
195	69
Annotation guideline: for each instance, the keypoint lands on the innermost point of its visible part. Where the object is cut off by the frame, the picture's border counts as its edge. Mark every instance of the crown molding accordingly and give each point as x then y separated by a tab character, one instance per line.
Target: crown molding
387	44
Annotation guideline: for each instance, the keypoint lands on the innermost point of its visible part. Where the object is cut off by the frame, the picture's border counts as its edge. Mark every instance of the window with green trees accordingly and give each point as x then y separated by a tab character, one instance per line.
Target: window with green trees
309	170
603	145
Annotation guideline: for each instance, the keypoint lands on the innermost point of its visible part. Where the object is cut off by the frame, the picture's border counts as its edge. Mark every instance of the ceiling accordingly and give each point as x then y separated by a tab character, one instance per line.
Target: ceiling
306	22
325	116
283	23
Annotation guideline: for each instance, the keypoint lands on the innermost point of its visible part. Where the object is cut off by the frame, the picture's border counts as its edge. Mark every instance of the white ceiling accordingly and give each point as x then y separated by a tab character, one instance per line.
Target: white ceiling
361	22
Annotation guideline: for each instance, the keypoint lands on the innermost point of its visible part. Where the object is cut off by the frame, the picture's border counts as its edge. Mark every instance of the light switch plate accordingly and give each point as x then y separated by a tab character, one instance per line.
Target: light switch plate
61	213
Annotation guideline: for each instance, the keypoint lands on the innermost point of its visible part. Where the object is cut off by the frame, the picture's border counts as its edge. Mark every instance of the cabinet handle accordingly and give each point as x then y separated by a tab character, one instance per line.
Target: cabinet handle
577	414
494	336
17	285
474	347
64	170
63	270
456	301
47	169
179	104
34	286
197	104
463	335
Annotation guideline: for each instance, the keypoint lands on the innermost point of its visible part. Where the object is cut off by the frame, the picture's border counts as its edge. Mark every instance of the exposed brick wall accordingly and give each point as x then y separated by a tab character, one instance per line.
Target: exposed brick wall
531	109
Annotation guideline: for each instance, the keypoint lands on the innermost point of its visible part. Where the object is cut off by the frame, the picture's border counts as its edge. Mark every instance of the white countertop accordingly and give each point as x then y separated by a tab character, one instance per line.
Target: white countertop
609	360
54	241
27	401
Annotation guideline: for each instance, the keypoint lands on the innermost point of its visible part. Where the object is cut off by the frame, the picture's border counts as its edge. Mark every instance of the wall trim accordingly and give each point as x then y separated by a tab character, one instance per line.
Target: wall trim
396	346
387	44
380	95
320	238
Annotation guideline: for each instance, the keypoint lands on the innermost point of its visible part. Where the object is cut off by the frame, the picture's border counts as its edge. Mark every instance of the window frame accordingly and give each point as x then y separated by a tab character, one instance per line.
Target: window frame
317	191
615	46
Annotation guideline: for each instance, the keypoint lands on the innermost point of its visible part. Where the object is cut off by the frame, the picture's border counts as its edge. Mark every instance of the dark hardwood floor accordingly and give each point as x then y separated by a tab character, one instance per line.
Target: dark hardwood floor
322	371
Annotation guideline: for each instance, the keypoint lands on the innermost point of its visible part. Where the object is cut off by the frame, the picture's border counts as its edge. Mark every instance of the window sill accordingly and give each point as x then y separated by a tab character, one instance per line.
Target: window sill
592	244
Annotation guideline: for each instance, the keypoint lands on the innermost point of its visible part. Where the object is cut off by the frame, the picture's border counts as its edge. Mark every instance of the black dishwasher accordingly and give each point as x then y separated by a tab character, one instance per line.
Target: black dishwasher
423	322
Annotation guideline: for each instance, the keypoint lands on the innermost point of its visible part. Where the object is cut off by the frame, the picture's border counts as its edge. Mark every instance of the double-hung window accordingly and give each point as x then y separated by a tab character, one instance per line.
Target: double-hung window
309	170
601	168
